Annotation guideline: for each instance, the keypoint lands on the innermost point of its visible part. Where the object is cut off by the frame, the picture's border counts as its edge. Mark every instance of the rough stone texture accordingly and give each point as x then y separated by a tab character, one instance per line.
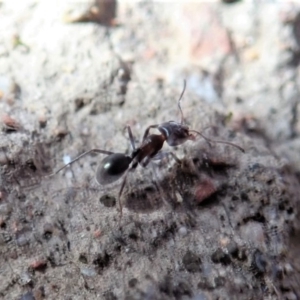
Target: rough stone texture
221	225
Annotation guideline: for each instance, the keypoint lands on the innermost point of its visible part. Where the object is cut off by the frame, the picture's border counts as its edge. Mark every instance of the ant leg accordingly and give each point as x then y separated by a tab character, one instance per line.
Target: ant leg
120	194
157	182
221	142
122	188
174	157
82	155
131	138
160	155
147	131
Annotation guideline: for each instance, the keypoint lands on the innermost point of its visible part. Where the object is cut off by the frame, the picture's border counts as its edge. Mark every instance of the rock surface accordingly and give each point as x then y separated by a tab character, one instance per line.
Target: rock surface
222	224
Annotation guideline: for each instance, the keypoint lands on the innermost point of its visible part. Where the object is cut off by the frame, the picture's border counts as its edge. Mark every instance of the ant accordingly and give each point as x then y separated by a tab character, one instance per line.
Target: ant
115	165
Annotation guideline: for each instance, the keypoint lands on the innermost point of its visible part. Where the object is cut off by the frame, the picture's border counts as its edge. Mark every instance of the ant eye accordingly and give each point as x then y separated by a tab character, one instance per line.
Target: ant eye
112	168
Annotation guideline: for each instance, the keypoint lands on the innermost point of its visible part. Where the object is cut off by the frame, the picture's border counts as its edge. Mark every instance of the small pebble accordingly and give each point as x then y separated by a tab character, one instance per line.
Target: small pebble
97	233
27	296
42	121
182	231
219	256
39	264
253	232
259	261
9	123
204	190
25	278
3	159
288	268
66	159
22	240
290	296
5	209
89	272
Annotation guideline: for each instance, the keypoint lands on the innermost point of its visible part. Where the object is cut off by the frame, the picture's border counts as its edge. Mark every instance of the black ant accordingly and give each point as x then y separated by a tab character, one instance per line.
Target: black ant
116	165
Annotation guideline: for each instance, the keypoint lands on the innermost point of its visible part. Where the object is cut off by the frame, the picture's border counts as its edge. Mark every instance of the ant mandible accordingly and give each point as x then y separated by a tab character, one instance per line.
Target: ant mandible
115	165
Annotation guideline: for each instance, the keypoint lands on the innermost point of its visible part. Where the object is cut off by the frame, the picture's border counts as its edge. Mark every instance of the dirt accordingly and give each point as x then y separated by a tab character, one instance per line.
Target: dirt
222	223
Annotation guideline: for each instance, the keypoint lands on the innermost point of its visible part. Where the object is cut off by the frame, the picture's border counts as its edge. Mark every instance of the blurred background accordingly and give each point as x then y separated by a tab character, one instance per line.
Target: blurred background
239	56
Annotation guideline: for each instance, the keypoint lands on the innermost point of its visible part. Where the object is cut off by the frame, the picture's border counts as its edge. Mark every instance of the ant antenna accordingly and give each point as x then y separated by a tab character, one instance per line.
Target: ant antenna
179	100
221	142
80	156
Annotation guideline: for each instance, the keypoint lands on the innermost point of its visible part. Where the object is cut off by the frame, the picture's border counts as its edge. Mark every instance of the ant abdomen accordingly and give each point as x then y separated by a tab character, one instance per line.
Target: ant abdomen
112	167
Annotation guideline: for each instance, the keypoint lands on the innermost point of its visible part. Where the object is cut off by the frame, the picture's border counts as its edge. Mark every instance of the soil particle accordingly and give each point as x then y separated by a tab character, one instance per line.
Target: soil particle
191	262
28	296
259	262
108	200
219	256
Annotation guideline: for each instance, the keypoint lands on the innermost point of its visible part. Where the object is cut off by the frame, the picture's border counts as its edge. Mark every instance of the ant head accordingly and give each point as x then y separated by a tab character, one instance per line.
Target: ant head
112	167
175	133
